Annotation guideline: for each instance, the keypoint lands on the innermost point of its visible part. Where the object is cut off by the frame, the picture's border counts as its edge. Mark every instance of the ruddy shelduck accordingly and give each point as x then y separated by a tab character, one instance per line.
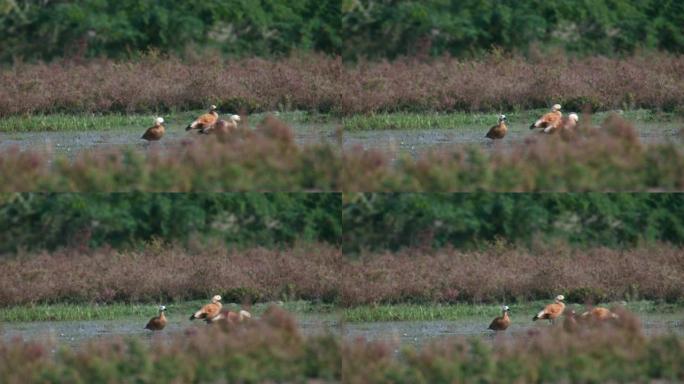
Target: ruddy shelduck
550	120
498	131
209	311
158	322
502	322
204	121
552	311
231	317
155	132
567	123
599	313
222	127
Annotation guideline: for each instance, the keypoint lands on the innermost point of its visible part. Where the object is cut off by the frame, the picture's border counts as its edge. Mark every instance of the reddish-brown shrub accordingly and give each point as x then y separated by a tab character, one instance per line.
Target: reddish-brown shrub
320	83
320	272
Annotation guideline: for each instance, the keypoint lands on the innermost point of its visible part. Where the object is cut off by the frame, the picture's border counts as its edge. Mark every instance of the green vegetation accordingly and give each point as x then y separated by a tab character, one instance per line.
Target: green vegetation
52	220
124	28
174	310
113	121
358	314
456	120
36	30
395	220
433	312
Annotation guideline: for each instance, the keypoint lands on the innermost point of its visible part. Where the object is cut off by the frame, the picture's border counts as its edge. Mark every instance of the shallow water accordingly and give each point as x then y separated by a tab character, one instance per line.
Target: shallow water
70	143
76	333
421	332
418	141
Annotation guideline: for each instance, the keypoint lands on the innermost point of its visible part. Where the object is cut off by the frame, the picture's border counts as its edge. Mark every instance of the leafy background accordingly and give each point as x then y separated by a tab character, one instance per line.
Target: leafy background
39	29
48	221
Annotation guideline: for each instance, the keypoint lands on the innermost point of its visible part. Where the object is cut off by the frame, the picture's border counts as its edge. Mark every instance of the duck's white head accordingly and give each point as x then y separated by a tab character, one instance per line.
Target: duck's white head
159	120
574	117
235	117
560	298
502	118
505	308
556	107
162	308
216	298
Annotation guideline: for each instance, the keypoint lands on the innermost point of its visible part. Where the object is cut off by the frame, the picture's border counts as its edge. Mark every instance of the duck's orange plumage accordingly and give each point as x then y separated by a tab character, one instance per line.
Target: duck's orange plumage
210	310
231	317
204	121
599	313
550	120
222	127
552	311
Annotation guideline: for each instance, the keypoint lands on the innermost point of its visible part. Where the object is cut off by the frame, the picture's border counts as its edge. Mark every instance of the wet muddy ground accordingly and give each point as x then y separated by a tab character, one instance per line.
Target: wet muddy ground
421	332
418	141
75	333
70	143
392	142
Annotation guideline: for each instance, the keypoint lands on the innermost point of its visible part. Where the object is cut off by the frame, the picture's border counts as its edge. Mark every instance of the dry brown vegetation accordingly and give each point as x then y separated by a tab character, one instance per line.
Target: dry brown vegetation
517	274
613	351
104	275
604	352
323	273
320	83
199	355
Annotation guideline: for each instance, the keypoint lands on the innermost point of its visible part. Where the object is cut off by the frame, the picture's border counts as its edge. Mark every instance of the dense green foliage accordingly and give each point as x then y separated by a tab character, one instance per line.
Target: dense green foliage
393	221
391	28
31	221
44	30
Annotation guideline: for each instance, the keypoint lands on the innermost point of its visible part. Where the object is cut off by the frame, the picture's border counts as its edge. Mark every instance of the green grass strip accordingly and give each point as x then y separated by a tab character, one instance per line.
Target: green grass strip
81	312
408	121
108	122
434	312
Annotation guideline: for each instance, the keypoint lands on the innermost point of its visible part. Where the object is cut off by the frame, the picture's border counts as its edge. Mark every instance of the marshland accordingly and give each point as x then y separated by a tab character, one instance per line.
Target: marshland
93	279
370	191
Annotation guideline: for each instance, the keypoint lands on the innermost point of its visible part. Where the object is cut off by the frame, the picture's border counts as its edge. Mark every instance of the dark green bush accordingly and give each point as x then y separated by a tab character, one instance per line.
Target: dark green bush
397	220
45	30
33	221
